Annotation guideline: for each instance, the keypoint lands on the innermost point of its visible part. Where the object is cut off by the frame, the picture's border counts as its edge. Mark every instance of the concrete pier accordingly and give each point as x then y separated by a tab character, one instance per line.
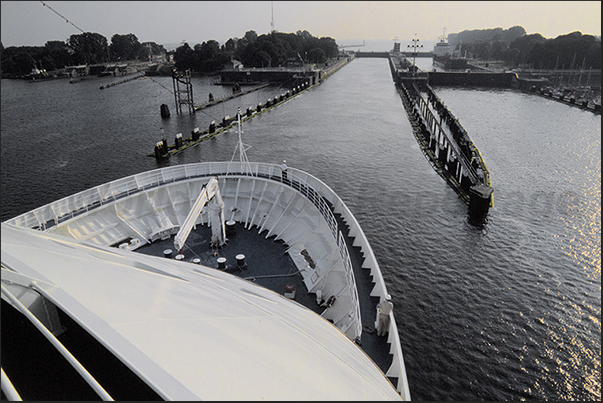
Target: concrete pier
445	143
300	85
231	96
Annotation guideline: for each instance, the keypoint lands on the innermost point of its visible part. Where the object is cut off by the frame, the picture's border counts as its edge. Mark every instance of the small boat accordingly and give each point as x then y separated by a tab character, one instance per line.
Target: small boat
37	75
218	280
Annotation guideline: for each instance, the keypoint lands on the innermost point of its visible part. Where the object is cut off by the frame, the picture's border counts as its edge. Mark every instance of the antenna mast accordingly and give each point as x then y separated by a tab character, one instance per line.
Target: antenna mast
242	148
272	15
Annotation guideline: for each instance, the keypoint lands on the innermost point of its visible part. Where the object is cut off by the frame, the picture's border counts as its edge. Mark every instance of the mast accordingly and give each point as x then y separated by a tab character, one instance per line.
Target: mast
272	15
242	148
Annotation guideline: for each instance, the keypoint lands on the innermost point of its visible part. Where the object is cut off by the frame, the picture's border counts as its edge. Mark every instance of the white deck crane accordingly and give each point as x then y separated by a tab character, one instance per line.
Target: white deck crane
210	193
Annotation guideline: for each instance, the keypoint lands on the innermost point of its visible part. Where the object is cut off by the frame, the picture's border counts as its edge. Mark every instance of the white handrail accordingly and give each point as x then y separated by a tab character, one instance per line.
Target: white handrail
8	388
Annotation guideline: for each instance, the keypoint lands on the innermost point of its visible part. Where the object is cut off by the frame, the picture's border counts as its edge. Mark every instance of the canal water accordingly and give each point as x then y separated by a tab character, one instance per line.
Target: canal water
509	311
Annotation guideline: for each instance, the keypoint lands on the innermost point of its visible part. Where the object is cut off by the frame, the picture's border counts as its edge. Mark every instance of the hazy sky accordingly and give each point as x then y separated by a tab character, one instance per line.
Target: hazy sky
171	22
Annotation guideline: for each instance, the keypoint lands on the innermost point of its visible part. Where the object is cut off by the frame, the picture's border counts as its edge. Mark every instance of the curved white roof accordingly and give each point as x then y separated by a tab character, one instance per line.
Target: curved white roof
194	332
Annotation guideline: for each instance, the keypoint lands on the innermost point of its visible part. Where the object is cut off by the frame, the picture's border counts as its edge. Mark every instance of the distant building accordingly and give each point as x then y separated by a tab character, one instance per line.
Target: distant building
233	65
77	71
295	61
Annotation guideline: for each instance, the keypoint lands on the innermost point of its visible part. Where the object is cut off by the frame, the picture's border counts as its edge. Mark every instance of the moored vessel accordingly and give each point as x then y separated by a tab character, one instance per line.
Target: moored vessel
445	57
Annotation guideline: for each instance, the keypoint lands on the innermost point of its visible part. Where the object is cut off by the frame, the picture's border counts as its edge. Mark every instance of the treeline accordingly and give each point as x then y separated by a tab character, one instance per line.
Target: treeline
85	48
516	48
267	50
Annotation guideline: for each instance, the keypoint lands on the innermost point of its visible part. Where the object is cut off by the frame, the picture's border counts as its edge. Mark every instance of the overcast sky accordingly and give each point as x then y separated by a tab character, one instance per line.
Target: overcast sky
31	23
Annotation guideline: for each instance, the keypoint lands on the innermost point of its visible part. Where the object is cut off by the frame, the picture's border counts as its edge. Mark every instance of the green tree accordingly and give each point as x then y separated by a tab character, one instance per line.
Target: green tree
512	56
126	47
317	55
279	47
329	46
525	44
231	44
20	63
184	57
22	59
499	49
59	52
88	48
251	36
304	34
208	57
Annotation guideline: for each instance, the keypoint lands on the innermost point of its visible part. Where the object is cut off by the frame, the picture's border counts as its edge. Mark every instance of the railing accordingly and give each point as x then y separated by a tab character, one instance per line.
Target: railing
478	157
428	114
69	207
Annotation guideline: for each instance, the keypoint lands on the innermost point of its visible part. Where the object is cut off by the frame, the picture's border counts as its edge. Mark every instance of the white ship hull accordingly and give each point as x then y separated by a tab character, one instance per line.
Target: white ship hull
194	332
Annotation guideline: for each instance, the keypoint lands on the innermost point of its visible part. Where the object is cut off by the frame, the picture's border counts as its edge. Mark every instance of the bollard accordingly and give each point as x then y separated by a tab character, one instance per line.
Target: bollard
259	108
196	134
230	228
165	111
249	111
212	126
178	140
159	149
241	261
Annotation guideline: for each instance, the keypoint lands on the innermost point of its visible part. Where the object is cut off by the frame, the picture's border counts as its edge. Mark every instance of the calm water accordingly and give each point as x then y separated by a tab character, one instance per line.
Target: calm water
511	311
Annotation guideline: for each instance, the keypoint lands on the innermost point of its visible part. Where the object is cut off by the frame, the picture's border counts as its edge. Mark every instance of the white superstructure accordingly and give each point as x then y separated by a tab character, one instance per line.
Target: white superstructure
442	48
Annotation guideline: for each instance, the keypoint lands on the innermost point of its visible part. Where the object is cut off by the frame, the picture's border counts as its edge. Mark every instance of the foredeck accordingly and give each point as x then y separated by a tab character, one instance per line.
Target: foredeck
268	264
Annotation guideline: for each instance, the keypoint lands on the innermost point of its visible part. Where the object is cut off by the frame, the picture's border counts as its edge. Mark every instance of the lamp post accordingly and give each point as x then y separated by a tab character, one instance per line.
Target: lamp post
414	46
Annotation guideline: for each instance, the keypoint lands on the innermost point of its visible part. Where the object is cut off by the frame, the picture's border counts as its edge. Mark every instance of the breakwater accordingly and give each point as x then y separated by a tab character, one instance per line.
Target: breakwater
470	78
164	150
383	55
139	75
445	143
228	97
288	76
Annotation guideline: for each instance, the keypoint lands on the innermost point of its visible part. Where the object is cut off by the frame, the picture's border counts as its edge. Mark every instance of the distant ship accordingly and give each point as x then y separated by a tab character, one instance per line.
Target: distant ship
224	280
445	57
